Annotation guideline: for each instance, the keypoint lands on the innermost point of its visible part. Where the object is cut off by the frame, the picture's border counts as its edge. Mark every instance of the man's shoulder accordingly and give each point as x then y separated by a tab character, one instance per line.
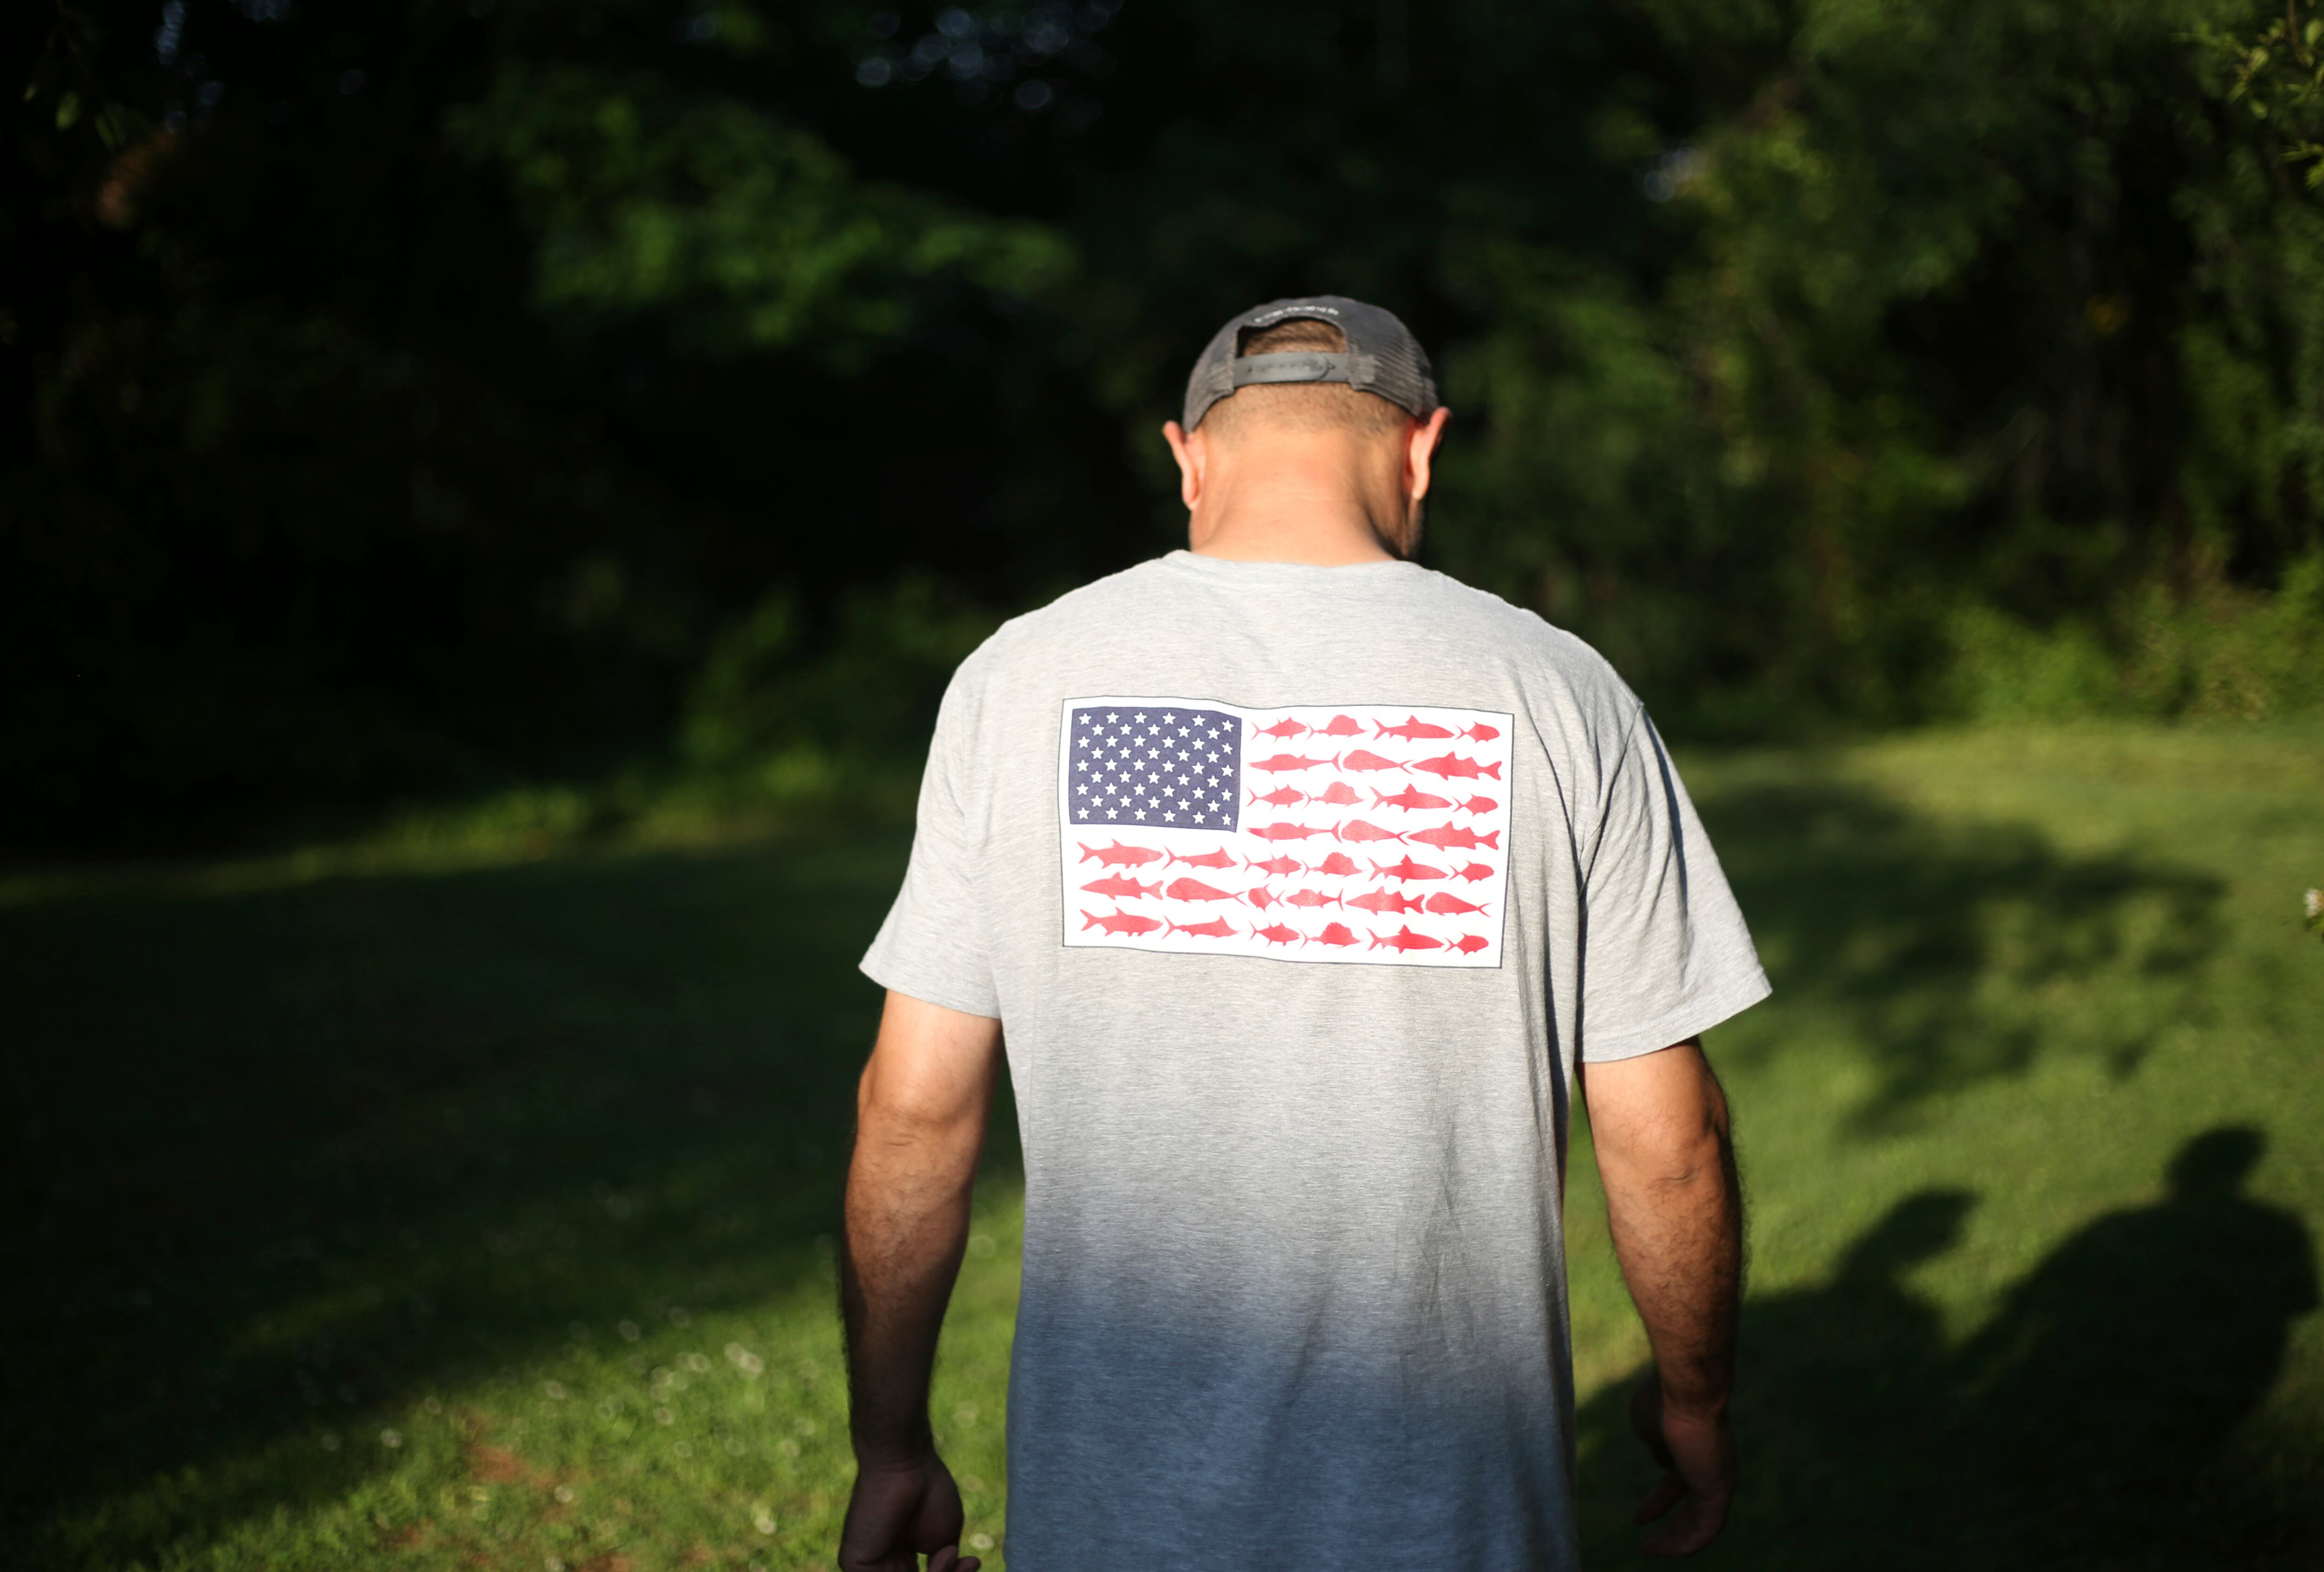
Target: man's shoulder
1471	627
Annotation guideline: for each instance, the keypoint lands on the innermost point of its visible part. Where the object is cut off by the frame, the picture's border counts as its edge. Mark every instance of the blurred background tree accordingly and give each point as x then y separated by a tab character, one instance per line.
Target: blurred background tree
406	396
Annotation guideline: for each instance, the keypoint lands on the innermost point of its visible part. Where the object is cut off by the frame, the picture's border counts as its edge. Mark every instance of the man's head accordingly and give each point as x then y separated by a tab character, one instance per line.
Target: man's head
1309	416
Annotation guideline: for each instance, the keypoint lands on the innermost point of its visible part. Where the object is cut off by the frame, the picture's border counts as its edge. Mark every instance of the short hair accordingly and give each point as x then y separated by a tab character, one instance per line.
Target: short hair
1300	406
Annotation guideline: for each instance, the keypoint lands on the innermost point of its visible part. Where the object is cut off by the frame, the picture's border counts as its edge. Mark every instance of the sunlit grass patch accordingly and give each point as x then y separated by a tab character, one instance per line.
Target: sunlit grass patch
378	1220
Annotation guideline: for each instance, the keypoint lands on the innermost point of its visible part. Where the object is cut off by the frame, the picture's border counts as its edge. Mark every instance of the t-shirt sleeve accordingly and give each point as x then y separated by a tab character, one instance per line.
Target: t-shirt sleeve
1666	953
934	945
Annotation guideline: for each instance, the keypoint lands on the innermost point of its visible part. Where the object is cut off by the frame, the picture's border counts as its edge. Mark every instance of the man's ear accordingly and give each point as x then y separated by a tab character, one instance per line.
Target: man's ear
1192	452
1420	452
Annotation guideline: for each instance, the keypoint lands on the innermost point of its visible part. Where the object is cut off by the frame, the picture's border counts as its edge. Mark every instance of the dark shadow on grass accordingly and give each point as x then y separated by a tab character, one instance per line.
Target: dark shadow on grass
1919	932
2105	1416
447	1114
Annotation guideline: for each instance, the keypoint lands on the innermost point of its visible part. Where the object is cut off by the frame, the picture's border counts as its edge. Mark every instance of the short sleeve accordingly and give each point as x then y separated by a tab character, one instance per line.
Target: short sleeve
934	945
1666	953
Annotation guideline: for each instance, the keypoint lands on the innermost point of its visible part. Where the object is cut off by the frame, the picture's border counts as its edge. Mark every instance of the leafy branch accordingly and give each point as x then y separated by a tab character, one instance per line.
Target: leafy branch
2278	75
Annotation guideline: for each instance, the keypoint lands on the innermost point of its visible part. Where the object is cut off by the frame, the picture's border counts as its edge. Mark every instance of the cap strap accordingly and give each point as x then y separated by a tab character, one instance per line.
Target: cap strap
1298	366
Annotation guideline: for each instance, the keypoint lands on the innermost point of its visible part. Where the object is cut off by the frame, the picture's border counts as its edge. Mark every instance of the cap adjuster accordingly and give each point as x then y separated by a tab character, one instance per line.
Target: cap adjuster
1291	366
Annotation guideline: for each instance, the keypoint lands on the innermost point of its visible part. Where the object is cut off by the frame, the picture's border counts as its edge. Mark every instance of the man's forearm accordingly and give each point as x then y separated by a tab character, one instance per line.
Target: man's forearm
907	1230
1675	1210
919	1128
1682	1254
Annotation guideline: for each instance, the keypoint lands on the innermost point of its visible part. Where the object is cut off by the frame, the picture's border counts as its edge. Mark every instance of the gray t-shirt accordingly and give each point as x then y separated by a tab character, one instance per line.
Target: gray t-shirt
1298	892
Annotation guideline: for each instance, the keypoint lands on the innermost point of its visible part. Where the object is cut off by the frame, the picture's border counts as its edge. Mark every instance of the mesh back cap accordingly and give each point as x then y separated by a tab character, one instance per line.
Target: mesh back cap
1382	357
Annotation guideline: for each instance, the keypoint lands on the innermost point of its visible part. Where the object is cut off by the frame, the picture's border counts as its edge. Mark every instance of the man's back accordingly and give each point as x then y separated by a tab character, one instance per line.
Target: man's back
1292	1021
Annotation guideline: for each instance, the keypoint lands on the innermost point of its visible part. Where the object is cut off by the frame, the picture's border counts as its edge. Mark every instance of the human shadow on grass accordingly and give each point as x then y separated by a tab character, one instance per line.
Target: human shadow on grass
1941	945
2108	1415
286	1161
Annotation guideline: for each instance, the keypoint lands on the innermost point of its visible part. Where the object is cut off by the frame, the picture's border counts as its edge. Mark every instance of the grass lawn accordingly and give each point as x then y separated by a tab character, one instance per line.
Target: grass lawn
390	1213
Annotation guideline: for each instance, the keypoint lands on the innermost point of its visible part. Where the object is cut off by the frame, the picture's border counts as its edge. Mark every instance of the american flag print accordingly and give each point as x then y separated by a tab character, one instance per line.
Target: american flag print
1353	834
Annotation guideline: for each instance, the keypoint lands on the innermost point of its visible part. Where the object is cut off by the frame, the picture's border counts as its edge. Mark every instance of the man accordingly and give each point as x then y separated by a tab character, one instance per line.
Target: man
1302	883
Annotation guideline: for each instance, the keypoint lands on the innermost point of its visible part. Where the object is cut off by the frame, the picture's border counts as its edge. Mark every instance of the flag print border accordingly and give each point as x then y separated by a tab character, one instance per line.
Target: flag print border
1334	803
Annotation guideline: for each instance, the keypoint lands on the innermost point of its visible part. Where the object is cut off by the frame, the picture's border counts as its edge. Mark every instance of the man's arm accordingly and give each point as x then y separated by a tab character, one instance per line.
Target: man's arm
919	1128
1659	1124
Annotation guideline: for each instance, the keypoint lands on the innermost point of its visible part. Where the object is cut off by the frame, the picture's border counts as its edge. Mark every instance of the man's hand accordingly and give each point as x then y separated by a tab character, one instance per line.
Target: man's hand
900	1512
1659	1124
919	1127
1698	1472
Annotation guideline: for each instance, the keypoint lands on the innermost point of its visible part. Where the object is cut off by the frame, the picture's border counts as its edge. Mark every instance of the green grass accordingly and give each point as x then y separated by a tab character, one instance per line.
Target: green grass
429	1208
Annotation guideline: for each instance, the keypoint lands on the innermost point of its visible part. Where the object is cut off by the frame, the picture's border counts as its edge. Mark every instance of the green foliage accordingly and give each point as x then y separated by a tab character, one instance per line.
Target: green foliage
2279	76
433	399
754	235
869	698
2227	655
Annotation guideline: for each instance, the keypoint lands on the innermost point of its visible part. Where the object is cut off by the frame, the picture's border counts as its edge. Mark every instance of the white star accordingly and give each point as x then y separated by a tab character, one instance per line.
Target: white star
1083	789
1111	719
1182	802
1141	718
1111	814
1085	814
1141	813
1170	818
1183	732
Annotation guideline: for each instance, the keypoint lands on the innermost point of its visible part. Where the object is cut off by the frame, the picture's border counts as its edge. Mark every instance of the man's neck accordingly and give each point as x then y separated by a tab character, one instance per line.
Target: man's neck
1292	503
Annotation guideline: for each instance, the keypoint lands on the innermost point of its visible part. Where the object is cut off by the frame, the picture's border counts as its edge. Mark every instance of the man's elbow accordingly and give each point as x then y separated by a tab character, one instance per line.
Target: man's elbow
903	1116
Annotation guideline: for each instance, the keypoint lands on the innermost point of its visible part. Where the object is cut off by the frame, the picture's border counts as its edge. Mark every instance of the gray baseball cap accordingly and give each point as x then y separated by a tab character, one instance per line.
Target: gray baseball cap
1382	357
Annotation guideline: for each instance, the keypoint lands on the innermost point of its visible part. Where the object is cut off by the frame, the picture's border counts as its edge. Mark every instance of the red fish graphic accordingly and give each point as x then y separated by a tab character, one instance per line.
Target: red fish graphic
1386	902
1342	726
1282	728
1121	888
1359	832
1280	797
1357	758
1207	859
1283	761
1216	928
1414	730
1334	934
1445	838
1407	869
1188	889
1478	806
1481	732
1474	871
1339	865
1278	866
1445	905
1310	897
1119	923
1261	896
1404	938
1469	943
1339	793
1129	856
1276	934
1410	798
1282	832
1450	765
